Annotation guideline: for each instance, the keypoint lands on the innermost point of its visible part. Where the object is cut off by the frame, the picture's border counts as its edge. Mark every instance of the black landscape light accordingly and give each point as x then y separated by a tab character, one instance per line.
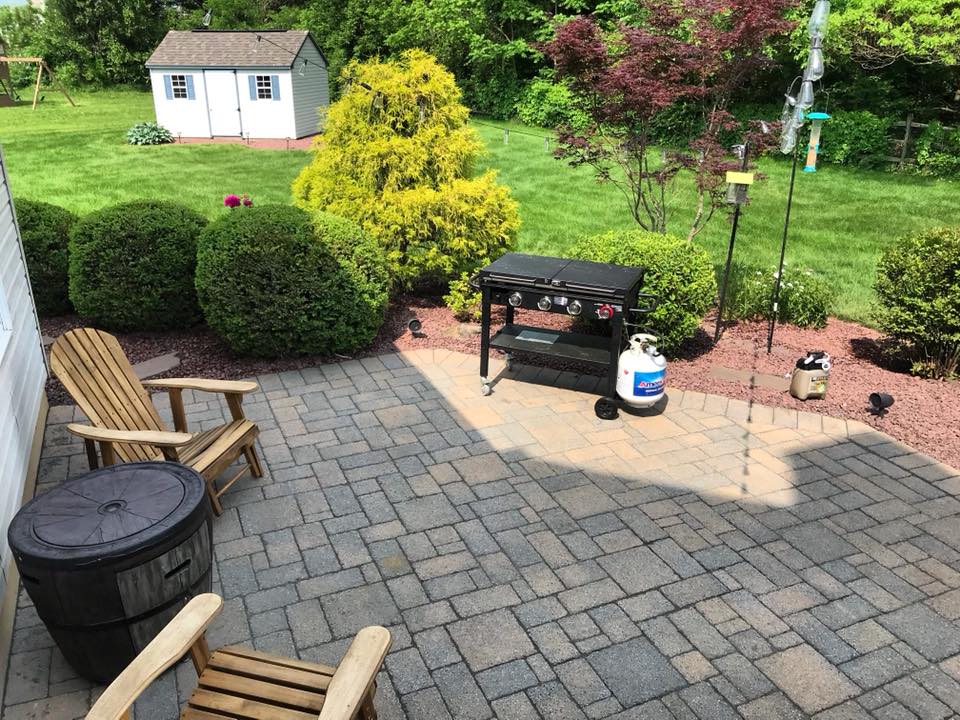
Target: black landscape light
880	401
415	327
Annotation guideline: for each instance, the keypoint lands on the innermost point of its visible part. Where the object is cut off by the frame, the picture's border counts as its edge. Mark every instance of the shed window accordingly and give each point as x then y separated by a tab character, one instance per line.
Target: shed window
264	88
178	84
178	87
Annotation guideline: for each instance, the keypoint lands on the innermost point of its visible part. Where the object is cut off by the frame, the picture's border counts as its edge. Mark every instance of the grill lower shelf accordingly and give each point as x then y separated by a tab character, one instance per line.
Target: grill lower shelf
594	349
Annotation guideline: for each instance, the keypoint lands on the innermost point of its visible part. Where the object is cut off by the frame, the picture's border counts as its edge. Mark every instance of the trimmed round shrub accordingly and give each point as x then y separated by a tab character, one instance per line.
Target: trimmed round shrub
45	229
274	280
918	288
678	272
132	266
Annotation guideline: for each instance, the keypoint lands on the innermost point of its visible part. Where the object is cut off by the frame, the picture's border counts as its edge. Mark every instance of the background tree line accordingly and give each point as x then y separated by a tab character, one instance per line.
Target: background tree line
885	56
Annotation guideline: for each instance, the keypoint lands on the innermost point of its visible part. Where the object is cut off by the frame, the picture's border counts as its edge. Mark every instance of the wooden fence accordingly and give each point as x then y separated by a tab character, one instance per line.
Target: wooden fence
904	147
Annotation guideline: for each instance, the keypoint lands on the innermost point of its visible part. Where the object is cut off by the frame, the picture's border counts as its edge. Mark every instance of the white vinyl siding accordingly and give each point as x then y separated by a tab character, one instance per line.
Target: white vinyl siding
311	90
181	117
22	370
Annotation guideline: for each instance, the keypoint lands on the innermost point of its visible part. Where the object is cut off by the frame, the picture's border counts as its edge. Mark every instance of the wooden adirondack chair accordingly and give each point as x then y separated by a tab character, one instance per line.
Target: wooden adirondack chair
234	682
95	371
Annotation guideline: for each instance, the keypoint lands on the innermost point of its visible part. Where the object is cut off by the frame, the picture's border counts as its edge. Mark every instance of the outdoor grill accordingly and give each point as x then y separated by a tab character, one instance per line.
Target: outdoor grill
578	288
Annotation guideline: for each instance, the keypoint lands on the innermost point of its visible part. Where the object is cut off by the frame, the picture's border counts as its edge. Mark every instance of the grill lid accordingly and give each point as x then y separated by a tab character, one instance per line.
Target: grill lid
598	277
573	275
524	269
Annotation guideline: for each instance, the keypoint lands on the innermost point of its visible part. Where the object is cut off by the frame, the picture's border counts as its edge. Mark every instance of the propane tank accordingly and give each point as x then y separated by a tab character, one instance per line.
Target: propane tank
641	372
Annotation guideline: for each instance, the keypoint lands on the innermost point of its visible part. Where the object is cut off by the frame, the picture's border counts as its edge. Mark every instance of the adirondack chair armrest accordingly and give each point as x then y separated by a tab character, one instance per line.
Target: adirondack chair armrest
241	387
173	642
356	673
154	438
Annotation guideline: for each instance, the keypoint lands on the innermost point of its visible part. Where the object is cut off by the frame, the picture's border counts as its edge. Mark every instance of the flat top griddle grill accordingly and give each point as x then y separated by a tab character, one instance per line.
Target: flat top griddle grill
579	288
582	276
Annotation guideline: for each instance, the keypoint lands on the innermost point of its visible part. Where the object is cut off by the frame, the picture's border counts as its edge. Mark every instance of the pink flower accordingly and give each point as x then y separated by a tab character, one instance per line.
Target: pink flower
247	202
231	201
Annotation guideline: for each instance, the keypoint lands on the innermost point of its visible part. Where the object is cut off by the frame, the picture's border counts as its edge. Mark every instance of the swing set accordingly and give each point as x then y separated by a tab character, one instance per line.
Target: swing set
8	94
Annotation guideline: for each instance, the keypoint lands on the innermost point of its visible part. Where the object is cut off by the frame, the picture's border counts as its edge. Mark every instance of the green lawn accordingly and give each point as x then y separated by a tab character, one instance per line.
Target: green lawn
76	157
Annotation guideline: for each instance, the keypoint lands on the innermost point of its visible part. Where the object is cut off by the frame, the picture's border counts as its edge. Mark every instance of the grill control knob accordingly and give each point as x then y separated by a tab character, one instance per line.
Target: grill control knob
574	308
515	299
605	312
544	303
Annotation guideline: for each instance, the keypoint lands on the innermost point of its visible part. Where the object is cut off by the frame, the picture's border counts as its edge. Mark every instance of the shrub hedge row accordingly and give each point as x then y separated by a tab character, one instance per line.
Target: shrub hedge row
272	280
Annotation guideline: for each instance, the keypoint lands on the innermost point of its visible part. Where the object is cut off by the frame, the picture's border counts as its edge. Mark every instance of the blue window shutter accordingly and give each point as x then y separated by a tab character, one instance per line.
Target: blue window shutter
190	95
275	86
168	86
252	80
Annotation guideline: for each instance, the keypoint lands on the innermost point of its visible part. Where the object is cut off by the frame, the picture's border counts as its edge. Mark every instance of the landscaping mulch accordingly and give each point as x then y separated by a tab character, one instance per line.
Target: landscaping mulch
925	415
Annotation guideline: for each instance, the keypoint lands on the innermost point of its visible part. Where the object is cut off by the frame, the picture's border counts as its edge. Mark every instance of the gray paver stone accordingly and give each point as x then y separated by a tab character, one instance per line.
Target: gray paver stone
925	631
807	678
635	671
490	639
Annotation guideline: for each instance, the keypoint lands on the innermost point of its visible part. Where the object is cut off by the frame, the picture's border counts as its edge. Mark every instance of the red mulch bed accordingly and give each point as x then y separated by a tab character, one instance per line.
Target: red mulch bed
263	143
926	414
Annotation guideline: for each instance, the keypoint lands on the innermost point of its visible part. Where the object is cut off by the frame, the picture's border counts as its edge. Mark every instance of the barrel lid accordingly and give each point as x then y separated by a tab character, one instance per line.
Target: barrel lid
108	511
101	508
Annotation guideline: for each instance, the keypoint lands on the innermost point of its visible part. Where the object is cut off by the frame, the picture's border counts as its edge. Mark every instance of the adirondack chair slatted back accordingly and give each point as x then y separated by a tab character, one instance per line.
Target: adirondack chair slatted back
95	371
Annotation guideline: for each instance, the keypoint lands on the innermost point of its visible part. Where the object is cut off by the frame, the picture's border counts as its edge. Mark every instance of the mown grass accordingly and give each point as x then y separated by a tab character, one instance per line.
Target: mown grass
78	158
842	218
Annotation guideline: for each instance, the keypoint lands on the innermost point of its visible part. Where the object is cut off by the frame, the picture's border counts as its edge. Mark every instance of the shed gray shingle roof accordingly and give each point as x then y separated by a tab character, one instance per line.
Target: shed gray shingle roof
228	49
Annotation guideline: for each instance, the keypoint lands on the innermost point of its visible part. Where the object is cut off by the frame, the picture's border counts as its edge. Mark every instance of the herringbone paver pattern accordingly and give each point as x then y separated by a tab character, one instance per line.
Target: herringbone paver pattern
714	561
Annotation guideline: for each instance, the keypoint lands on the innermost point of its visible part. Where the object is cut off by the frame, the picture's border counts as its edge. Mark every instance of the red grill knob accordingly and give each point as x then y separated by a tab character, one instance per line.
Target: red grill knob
605	312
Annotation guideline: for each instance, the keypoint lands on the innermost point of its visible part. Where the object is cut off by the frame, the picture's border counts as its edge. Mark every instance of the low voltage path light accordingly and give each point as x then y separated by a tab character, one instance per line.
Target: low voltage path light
794	116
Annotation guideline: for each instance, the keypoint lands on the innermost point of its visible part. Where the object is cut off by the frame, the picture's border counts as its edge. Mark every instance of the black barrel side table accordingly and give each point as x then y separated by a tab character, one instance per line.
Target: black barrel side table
109	558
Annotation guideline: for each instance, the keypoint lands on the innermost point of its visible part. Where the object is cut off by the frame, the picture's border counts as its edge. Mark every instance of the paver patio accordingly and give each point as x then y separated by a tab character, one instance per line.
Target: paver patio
718	560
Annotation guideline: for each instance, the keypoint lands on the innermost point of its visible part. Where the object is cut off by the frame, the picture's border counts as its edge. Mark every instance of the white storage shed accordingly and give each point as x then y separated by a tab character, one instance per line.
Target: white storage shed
23	402
239	83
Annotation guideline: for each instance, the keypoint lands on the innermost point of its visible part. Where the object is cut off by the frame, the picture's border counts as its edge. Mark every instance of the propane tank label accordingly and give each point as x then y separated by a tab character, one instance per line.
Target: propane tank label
646	384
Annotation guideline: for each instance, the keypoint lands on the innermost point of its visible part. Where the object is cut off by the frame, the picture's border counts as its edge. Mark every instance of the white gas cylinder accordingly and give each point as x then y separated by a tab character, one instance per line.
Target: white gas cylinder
641	372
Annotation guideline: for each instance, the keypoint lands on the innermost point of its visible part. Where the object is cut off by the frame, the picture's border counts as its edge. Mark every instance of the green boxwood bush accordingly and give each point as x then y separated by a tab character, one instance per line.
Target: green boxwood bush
275	281
132	266
678	271
805	298
918	288
45	229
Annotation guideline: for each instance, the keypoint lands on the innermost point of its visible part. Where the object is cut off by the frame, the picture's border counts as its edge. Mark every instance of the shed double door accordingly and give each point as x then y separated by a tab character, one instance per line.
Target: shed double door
223	102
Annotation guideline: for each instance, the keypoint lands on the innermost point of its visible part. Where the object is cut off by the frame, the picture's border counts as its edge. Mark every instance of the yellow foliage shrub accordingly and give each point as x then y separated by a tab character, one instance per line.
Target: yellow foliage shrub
395	156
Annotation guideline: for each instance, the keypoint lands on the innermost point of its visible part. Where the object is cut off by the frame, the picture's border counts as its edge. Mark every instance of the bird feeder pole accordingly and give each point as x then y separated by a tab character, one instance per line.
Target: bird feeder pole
794	116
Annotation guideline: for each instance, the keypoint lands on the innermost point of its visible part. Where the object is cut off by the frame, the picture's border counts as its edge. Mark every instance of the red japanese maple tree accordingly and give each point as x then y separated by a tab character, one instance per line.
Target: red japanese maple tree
679	51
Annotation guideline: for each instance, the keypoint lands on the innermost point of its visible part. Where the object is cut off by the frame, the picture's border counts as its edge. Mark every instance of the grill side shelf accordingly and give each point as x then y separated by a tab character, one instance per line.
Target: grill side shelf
594	349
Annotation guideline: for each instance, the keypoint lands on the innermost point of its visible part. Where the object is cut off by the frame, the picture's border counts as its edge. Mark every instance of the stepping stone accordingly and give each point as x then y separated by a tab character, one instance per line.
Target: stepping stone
773	382
156	365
